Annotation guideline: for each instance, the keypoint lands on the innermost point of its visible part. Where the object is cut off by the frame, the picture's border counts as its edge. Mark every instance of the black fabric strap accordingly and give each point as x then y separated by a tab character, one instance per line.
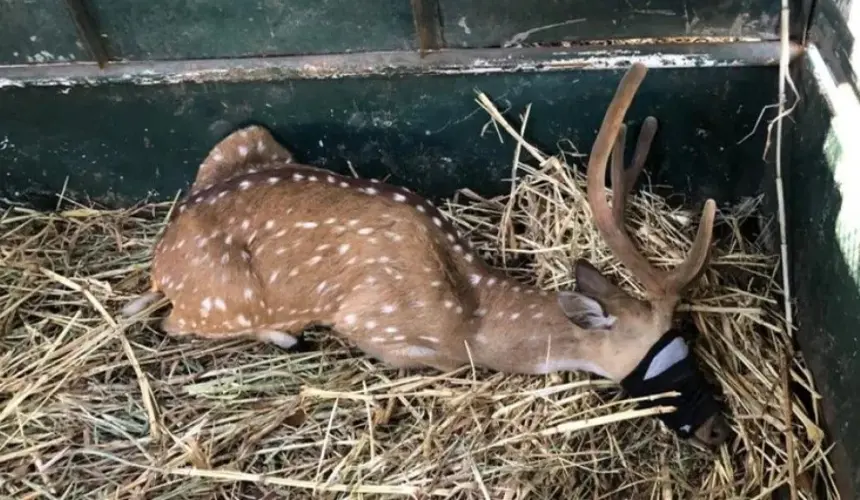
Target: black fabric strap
696	402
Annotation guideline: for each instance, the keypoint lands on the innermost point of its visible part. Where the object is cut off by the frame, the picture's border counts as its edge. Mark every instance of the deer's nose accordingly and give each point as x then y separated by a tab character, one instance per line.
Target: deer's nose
714	432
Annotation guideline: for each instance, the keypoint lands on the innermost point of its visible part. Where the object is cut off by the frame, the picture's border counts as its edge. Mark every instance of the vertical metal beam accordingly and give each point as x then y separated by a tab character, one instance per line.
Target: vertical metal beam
427	15
801	15
88	31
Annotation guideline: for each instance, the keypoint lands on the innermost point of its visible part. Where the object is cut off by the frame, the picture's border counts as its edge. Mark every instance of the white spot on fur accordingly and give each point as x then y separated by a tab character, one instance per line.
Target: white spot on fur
342	249
568	365
280	339
415	351
242	320
388	308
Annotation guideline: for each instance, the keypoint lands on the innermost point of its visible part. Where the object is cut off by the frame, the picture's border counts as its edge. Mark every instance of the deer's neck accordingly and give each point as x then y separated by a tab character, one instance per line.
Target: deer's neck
522	329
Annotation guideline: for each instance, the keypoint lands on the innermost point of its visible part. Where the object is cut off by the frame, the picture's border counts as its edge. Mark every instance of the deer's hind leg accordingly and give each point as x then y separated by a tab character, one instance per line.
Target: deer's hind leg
176	327
220	296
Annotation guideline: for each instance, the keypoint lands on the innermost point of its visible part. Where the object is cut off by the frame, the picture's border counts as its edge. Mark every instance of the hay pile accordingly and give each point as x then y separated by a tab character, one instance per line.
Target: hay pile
92	409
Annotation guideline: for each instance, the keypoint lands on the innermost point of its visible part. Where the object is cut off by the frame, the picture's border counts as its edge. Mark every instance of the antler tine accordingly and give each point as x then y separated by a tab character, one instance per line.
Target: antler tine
614	234
643	147
686	271
624	180
616	174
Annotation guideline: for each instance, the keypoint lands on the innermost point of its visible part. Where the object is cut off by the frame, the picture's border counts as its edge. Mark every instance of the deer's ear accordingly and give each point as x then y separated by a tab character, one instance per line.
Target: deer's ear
584	311
591	282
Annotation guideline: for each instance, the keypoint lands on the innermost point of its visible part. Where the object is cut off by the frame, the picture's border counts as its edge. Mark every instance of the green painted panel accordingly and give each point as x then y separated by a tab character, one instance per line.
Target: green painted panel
422	130
33	31
823	219
486	23
189	29
832	33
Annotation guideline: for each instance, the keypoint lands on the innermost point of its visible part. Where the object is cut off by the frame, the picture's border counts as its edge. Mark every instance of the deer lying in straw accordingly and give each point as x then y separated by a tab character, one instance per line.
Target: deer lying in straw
264	247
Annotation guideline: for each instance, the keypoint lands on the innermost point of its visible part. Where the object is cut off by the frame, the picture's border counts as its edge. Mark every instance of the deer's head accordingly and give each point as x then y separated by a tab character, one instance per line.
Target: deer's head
656	355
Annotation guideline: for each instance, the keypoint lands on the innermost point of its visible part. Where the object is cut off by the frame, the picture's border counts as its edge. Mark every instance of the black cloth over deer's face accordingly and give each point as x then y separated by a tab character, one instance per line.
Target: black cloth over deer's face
670	366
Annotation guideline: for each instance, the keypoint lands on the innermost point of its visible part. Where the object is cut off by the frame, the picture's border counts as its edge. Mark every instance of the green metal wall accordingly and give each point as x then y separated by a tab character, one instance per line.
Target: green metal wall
45	30
118	143
824	222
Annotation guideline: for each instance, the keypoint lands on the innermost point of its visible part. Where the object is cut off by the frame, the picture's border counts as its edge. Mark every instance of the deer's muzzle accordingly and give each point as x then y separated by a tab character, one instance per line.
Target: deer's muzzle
669	366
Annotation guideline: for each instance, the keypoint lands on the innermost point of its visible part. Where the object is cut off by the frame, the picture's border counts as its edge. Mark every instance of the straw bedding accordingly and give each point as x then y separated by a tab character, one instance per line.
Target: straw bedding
92	408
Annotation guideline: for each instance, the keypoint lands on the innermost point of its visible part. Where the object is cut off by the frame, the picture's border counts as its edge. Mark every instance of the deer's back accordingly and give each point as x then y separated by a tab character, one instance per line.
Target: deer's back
286	247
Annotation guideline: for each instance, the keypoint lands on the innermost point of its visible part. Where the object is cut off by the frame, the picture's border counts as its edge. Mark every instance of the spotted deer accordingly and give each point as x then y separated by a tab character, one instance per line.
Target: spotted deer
263	247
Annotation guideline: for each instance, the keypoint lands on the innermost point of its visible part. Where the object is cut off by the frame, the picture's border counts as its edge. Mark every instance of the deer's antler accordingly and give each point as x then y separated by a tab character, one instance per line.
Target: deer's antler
610	221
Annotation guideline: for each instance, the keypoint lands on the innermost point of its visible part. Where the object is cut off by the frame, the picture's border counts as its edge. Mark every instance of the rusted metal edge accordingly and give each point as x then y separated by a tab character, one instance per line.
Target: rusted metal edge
88	31
428	25
375	64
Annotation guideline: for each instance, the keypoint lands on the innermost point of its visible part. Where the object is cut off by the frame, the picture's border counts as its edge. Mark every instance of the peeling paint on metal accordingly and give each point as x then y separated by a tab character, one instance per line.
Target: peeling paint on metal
7	82
449	62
